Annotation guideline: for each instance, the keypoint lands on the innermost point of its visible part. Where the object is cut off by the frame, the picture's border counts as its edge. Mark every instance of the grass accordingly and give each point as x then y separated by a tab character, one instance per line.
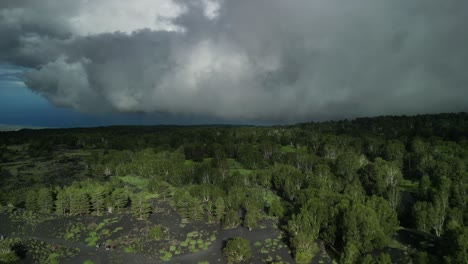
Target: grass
196	241
234	164
270	245
73	231
135	181
43	252
409	186
240	171
395	244
130	249
189	162
192	234
94	233
166	256
92	239
76	153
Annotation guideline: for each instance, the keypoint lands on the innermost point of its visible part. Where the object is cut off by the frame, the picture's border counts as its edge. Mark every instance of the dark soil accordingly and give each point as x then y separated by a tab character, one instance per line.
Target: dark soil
52	232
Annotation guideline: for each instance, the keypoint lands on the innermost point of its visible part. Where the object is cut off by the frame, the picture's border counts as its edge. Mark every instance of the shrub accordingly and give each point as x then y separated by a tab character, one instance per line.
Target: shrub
237	250
156	233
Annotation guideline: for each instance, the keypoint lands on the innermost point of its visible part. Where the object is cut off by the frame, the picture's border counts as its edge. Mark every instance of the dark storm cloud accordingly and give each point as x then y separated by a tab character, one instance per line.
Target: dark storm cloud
261	59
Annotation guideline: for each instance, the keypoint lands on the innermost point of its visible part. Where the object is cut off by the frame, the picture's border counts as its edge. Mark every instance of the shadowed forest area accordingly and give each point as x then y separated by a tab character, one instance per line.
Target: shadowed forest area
372	190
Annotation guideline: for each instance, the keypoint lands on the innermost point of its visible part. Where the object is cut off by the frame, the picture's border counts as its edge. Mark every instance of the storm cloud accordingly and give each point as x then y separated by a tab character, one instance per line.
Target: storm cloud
242	59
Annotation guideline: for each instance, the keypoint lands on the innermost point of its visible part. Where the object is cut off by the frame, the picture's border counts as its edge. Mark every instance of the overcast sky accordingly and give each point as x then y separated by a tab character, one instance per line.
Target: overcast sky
102	62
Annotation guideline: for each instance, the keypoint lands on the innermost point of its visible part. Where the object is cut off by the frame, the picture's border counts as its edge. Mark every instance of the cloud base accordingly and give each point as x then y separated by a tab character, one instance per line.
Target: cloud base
273	60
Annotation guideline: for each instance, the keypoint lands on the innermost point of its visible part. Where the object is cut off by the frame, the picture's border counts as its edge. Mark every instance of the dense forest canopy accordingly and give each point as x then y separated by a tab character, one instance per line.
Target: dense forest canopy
370	190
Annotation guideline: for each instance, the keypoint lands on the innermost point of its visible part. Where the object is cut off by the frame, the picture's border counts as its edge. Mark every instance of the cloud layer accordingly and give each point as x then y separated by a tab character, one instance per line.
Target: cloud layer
245	59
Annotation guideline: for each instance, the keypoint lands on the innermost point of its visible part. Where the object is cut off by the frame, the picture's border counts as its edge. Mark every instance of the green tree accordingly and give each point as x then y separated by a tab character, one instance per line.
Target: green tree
309	220
195	209
62	202
31	200
79	200
384	258
182	201
237	250
252	216
304	247
424	186
350	255
117	200
98	194
460	191
141	208
276	209
45	200
362	228
394	151
461	248
386	216
7	254
231	219
437	215
347	165
421	216
219	208
439	208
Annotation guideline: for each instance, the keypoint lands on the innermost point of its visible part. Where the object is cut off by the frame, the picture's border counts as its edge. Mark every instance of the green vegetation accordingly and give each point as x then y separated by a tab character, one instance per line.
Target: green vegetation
7	254
196	241
237	250
358	188
156	233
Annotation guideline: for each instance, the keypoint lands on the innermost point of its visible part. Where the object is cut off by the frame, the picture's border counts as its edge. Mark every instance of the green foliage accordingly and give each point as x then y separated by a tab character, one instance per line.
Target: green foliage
424	186
237	250
156	233
421	215
98	195
231	220
53	258
348	183
79	200
7	254
385	215
276	209
304	247
384	258
182	201
141	208
422	258
135	181
219	209
308	221
92	239
31	200
62	202
166	256
252	216
362	229
350	255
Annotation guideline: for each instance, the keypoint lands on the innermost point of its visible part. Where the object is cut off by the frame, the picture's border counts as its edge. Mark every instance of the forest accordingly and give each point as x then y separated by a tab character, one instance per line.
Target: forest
391	189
